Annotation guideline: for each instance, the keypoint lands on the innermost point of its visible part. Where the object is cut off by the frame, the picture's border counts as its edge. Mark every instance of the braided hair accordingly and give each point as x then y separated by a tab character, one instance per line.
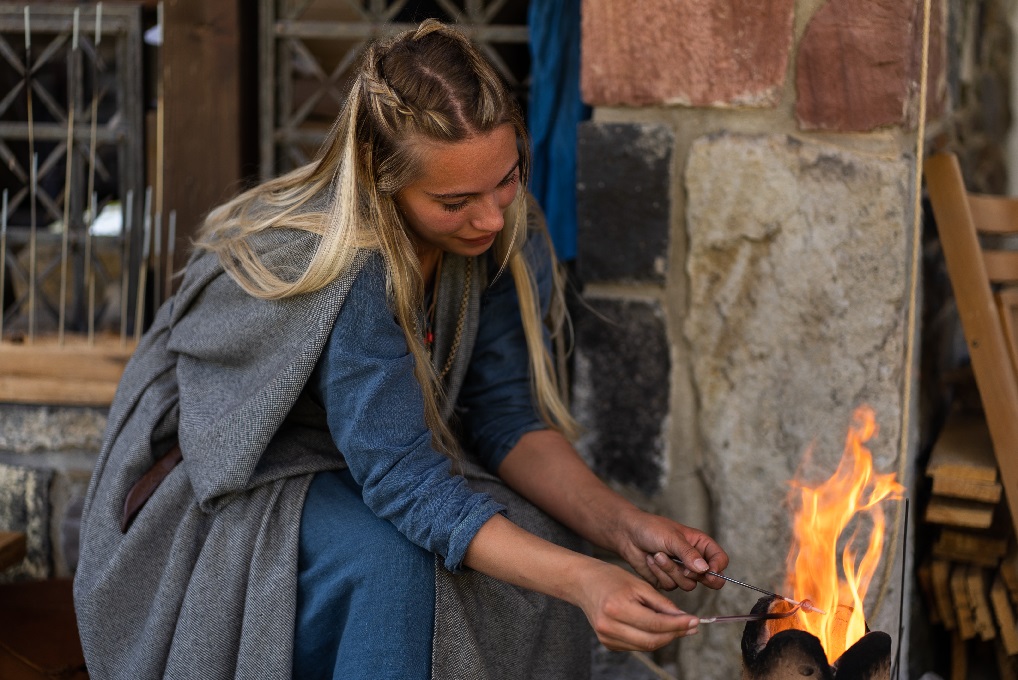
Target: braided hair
427	84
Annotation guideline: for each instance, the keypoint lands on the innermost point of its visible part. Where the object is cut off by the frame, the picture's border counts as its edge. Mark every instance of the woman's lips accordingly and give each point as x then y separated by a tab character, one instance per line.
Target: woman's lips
483	241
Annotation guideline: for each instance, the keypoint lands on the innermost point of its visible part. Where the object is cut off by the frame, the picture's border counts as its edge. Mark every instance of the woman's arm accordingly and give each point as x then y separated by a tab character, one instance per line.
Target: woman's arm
545	469
624	611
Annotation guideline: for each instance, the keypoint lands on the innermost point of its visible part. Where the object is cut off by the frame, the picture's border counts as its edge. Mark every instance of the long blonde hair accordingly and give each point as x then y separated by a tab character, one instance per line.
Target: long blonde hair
429	83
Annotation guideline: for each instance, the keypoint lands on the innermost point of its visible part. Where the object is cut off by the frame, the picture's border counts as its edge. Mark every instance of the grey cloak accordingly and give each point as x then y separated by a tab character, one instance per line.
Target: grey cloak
203	583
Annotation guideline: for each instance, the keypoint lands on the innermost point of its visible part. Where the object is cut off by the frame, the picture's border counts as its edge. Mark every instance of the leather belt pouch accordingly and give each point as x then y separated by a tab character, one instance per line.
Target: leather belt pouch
147	485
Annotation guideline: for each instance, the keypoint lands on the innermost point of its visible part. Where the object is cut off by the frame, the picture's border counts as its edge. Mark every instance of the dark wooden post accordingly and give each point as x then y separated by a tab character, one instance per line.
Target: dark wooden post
204	115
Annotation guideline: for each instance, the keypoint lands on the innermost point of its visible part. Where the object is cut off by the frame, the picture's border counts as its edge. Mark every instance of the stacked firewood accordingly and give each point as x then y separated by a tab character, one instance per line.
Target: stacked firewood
971	577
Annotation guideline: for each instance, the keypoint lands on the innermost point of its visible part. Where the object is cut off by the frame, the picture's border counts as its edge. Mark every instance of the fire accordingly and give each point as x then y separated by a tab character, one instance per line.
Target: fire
823	514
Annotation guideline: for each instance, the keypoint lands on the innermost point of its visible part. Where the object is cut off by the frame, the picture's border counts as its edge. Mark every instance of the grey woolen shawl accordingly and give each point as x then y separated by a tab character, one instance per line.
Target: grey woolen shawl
203	583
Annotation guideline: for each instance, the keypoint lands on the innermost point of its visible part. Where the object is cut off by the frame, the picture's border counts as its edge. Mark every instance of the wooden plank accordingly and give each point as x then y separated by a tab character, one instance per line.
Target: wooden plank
1007	666
971	548
924	574
982	616
962	607
1005	616
959	513
963	450
968	489
978	312
75	374
994	214
12	548
1009	574
1007	305
940	571
1001	265
959	658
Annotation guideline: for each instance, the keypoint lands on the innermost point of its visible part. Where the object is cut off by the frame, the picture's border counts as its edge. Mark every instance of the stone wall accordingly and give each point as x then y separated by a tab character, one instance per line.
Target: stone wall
745	200
46	458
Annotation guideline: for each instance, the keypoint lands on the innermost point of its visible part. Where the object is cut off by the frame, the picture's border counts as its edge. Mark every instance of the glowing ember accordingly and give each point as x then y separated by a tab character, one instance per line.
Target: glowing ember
823	514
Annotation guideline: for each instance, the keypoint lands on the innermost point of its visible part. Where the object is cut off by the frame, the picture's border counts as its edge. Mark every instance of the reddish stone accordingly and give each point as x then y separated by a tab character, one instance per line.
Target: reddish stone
860	70
693	52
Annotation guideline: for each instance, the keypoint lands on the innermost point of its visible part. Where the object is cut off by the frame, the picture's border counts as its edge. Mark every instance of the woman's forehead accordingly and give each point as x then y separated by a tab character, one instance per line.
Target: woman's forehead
469	166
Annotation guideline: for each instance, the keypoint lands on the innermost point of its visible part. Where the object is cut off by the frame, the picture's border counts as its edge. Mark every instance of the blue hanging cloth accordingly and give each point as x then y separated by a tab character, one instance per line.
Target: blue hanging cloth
554	114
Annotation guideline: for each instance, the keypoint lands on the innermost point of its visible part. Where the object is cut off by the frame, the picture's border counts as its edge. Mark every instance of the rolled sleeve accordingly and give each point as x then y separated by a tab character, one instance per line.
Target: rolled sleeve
375	410
496	405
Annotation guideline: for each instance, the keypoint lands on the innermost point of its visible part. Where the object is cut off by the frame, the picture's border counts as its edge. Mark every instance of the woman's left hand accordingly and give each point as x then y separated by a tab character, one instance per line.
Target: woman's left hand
648	542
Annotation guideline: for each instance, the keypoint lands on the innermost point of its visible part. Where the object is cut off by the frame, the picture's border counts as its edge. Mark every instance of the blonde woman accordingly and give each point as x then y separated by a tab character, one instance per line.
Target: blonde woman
340	450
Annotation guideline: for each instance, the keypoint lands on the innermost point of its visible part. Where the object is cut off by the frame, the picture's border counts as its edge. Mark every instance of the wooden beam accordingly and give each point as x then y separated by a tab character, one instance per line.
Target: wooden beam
204	115
12	548
1005	616
76	374
962	606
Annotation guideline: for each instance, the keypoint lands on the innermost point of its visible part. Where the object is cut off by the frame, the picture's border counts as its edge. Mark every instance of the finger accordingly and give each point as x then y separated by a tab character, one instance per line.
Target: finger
673	573
661	578
646	630
634	639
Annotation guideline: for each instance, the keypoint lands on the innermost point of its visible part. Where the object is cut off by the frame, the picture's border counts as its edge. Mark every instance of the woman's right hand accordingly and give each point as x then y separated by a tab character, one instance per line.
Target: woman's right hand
626	612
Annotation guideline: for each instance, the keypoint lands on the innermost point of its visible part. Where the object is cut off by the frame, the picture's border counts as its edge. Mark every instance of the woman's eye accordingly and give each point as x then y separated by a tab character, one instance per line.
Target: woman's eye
454	207
509	181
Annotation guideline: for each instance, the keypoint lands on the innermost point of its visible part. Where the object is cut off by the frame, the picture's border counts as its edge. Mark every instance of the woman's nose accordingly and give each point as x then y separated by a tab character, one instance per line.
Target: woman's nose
489	216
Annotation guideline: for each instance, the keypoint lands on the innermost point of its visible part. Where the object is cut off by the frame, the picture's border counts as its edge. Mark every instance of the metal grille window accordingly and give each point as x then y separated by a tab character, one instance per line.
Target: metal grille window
67	112
309	48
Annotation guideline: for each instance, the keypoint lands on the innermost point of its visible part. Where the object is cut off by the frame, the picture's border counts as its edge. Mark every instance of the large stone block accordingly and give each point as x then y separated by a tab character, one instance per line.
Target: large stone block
28	429
24	506
798	276
621	388
691	52
623	201
857	71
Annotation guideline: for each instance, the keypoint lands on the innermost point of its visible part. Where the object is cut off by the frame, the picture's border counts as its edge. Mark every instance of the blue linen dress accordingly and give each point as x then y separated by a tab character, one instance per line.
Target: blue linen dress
369	534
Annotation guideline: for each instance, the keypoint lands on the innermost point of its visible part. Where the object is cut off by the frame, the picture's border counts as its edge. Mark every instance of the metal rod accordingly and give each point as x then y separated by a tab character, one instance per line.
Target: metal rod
171	249
896	671
90	270
125	262
805	604
32	177
767	616
139	313
157	258
72	105
3	263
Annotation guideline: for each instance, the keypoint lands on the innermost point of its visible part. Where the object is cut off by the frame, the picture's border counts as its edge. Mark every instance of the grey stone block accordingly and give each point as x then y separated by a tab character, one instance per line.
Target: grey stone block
28	429
623	195
621	390
24	506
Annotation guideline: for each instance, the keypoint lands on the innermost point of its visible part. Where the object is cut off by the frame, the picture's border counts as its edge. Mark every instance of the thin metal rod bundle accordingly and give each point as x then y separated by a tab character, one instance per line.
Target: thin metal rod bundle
72	105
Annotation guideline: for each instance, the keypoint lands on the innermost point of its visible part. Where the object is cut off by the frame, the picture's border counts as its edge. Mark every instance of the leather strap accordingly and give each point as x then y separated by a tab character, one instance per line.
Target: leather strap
146	486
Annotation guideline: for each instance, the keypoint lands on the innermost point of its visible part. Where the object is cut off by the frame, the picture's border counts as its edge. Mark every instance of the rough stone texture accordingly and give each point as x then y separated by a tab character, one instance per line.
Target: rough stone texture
24	506
858	71
798	269
623	201
46	458
692	52
620	392
28	429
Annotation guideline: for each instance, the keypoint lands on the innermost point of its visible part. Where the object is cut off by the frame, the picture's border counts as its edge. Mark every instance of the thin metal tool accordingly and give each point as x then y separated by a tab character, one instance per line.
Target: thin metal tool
753	617
806	605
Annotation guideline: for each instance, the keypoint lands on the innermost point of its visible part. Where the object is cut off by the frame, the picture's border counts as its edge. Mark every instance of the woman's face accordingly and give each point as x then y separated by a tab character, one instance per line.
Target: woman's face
456	204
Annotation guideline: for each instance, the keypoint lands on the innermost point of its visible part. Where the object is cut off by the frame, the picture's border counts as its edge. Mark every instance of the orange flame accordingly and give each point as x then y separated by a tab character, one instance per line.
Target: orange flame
824	513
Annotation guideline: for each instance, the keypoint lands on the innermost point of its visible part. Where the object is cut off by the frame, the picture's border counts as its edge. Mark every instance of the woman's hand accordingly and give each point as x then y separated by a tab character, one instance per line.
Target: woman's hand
545	469
648	542
627	613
